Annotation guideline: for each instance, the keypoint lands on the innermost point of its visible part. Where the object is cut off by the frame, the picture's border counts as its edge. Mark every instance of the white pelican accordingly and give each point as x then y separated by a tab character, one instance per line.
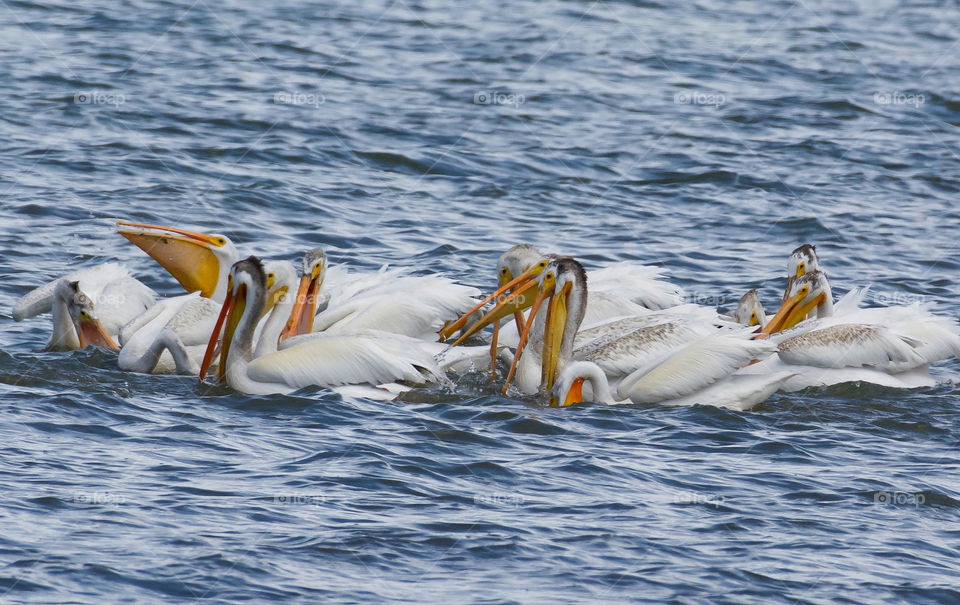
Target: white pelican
415	306
701	370
313	359
117	296
889	346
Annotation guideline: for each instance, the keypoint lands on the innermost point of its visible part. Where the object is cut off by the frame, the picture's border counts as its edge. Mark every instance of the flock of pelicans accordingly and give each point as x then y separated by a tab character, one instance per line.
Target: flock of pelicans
619	334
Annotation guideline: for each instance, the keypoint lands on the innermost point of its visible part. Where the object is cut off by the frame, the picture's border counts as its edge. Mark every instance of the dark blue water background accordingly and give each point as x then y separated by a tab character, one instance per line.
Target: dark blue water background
708	137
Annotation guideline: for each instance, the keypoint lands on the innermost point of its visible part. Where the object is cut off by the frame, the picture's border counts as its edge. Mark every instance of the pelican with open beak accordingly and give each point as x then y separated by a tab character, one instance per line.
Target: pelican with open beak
199	261
89	330
118	297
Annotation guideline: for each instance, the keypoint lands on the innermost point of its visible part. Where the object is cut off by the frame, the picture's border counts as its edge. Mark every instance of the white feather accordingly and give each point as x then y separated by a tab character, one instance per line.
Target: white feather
692	368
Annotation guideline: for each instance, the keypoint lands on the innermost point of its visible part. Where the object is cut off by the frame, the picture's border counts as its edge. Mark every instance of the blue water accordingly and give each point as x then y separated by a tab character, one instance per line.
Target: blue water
710	138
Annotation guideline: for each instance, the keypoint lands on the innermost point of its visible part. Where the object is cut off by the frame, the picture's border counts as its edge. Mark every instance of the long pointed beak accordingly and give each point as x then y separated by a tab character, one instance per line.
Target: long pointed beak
211	351
791	313
537	303
553	337
786	293
525	280
91	333
304	308
511	304
800	313
187	255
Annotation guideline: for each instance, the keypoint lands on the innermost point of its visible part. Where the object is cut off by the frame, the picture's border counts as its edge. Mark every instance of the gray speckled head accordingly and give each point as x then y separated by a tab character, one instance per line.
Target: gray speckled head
750	310
315	263
518	259
803	260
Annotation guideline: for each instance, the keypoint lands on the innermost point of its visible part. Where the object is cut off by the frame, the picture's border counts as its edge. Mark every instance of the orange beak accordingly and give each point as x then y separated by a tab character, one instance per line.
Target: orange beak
304	308
538	301
791	312
520	284
187	255
574	395
214	343
91	333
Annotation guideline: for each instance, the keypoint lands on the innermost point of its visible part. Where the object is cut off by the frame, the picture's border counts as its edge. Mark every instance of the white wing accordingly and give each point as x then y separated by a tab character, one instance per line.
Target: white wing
121	301
332	360
806	377
619	348
412	306
640	283
92	281
737	391
852	346
694	367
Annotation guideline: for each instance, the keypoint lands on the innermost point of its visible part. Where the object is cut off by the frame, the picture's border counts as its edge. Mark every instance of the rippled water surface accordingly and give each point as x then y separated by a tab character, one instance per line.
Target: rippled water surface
709	138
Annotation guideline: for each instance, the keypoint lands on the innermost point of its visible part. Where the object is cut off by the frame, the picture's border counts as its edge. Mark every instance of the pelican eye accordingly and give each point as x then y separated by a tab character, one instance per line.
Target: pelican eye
220	241
801	269
271	277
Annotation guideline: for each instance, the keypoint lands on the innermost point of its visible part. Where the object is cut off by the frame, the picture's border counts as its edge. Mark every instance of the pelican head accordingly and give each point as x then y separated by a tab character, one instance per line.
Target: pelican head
564	282
750	310
281	280
568	388
199	261
516	260
802	260
808	292
242	309
90	332
517	271
314	267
